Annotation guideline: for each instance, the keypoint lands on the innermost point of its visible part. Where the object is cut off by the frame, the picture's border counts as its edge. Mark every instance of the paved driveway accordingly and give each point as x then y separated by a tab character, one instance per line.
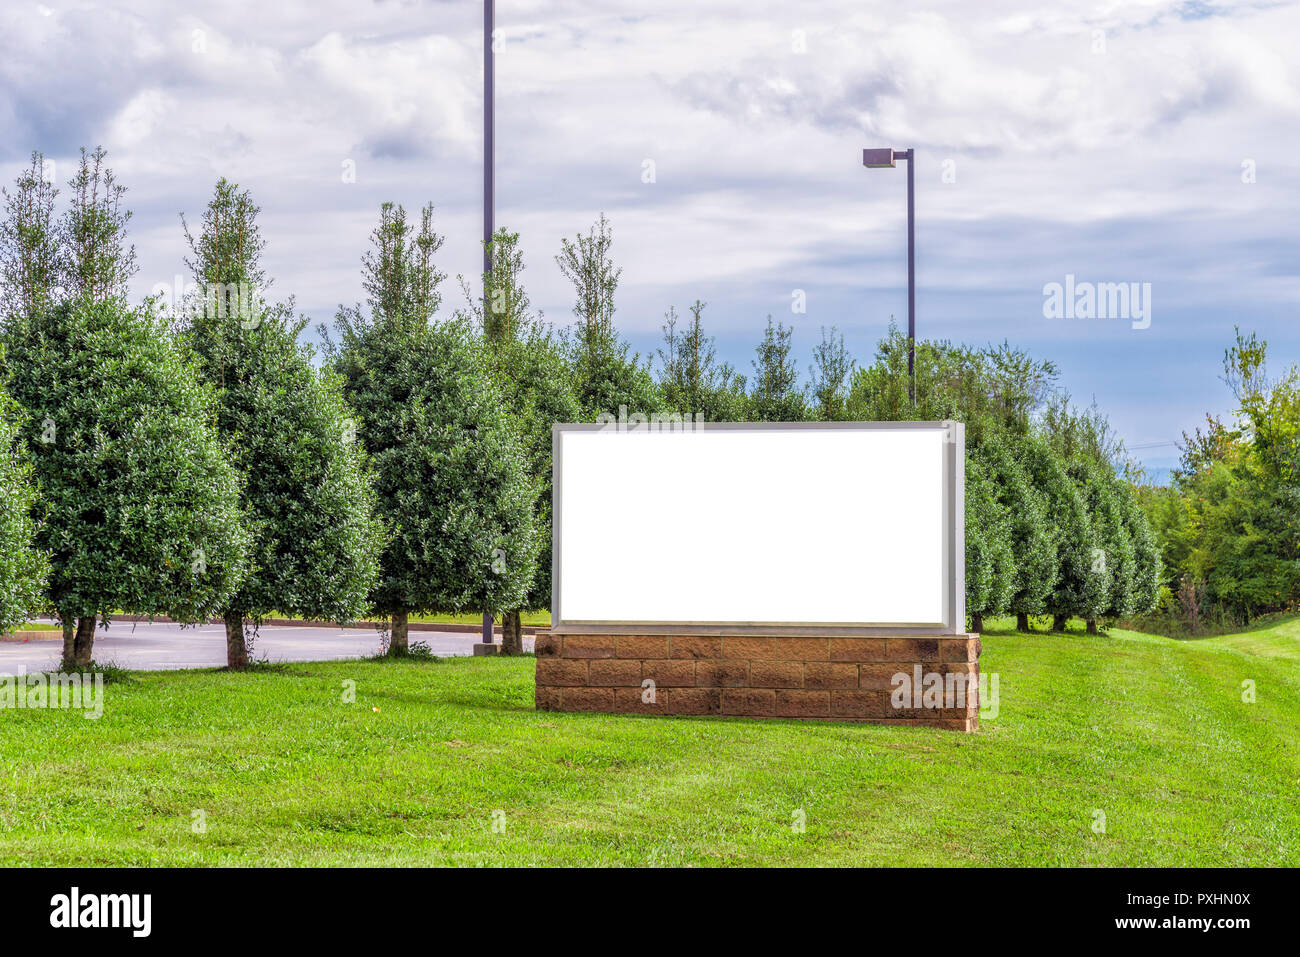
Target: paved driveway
157	646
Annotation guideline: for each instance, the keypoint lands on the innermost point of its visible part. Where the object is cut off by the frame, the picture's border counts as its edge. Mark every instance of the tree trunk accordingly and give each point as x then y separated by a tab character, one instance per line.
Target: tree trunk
1059	622
236	645
1092	626
976	623
399	641
83	644
1022	621
512	633
69	662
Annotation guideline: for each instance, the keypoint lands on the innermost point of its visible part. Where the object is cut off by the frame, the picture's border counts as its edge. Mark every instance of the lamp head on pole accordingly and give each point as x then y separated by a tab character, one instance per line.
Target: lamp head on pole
878	159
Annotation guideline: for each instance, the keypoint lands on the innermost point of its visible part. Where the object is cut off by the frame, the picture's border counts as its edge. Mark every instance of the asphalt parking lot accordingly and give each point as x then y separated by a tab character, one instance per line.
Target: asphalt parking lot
160	646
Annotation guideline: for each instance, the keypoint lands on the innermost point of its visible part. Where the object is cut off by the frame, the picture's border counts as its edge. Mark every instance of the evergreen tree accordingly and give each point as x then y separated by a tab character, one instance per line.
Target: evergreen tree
691	379
1077	591
1148	571
990	553
586	262
1034	547
832	367
451	469
776	396
606	379
30	260
137	506
536	383
1084	440
1113	562
308	502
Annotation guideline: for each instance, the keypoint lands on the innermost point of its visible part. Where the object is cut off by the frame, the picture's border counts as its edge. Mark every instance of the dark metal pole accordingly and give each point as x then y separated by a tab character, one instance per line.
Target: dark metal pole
911	279
489	129
886	158
489	186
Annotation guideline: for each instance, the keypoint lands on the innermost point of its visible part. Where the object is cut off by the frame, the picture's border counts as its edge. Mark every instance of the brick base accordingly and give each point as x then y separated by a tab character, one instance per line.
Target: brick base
840	679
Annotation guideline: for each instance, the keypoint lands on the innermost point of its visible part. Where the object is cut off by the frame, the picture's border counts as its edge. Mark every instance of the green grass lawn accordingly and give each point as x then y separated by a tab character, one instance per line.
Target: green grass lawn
1152	732
31	626
530	619
1273	637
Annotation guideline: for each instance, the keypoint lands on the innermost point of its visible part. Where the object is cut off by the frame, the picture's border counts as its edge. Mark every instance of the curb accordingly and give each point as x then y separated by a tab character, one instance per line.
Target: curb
20	636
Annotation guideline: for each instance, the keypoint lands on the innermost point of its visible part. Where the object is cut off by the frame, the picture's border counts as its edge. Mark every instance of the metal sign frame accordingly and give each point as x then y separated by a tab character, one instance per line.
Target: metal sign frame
954	546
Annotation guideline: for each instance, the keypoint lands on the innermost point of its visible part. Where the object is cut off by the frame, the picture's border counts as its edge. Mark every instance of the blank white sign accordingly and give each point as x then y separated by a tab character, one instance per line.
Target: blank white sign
752	526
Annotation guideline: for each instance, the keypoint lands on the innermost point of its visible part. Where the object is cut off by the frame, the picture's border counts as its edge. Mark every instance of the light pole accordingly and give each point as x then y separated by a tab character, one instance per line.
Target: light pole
884	159
489	131
489	208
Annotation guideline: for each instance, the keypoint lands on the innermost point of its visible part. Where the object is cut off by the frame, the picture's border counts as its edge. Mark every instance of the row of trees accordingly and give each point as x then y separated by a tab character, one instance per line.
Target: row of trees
190	458
188	465
1051	526
1229	522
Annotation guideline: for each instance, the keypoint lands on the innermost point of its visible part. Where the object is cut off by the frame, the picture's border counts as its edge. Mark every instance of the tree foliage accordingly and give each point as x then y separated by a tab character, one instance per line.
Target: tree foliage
24	569
1026	505
775	395
692	380
138	507
1148	568
308	503
990	554
1051	463
996	387
608	377
96	261
451	468
30	259
832	367
1076	590
1228	528
535	381
1112	566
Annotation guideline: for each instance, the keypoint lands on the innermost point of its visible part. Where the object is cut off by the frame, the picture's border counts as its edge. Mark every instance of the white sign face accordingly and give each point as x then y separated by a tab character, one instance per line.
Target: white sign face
854	526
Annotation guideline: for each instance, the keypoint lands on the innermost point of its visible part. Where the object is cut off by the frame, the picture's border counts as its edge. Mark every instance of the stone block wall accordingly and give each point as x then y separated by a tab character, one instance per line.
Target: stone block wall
840	679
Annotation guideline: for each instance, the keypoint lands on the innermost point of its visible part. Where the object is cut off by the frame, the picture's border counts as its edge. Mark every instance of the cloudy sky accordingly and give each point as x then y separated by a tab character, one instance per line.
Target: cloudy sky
1143	142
